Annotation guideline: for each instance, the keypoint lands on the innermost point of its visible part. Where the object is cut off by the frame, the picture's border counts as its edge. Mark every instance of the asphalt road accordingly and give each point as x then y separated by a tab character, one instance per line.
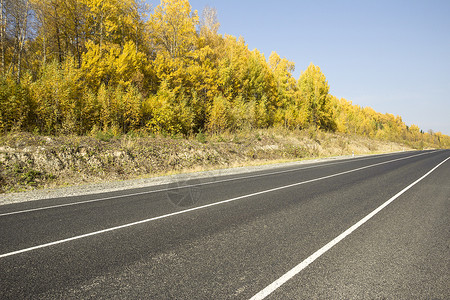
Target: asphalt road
362	228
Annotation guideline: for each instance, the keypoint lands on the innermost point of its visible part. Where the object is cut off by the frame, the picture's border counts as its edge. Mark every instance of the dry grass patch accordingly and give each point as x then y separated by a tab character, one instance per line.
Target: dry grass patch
28	161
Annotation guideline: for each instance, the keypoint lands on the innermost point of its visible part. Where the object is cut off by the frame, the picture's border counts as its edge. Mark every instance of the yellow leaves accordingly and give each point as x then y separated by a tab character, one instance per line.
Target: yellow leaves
194	73
315	101
129	62
114	21
14	105
130	105
173	27
282	67
114	71
286	85
112	65
339	107
202	72
219	116
170	70
233	68
169	113
58	96
93	66
119	109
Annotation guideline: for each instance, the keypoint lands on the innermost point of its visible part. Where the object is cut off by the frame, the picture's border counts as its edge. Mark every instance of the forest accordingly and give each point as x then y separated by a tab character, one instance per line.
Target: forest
82	66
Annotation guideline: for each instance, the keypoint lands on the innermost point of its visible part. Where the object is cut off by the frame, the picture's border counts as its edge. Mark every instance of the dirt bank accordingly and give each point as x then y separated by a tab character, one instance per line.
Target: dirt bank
28	161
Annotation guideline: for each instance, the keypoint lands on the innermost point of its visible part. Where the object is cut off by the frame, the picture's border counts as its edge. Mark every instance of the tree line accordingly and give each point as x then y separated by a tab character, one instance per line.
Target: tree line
77	66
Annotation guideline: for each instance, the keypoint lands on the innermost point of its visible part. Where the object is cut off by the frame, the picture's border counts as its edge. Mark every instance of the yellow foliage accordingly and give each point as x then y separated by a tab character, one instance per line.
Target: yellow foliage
103	65
169	114
57	96
314	99
173	27
15	105
219	115
112	65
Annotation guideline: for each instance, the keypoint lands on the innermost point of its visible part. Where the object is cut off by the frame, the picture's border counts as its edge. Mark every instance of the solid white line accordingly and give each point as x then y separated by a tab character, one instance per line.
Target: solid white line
298	268
194	209
187	186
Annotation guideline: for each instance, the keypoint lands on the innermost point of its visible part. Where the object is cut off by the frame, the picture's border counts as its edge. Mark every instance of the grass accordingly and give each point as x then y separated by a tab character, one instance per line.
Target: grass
30	161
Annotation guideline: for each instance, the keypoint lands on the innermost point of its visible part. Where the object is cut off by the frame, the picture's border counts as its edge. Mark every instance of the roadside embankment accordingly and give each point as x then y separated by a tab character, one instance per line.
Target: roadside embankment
29	162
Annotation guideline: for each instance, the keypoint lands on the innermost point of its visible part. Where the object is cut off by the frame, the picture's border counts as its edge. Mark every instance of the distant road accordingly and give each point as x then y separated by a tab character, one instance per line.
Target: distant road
361	228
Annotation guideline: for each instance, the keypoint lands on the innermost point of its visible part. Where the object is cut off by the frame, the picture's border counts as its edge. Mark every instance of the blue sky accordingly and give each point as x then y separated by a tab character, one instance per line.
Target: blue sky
393	56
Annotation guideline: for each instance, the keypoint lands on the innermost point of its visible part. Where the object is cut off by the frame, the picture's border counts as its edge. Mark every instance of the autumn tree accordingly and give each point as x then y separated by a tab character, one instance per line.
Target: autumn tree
219	116
169	113
173	26
282	70
173	37
63	29
286	87
3	24
113	55
233	67
18	13
79	66
15	106
209	27
315	100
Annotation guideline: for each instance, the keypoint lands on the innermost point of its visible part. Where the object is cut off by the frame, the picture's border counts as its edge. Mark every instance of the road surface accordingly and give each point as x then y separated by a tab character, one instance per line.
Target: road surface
361	228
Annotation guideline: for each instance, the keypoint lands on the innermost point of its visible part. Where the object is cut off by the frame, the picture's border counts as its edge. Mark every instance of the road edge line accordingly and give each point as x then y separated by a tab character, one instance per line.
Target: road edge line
187	186
298	268
198	208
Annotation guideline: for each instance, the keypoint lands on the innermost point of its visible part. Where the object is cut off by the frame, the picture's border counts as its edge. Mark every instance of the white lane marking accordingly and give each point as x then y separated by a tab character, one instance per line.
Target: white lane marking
195	208
189	186
298	268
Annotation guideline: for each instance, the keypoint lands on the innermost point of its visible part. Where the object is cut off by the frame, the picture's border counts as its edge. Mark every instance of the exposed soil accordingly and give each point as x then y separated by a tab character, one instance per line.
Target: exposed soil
29	162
